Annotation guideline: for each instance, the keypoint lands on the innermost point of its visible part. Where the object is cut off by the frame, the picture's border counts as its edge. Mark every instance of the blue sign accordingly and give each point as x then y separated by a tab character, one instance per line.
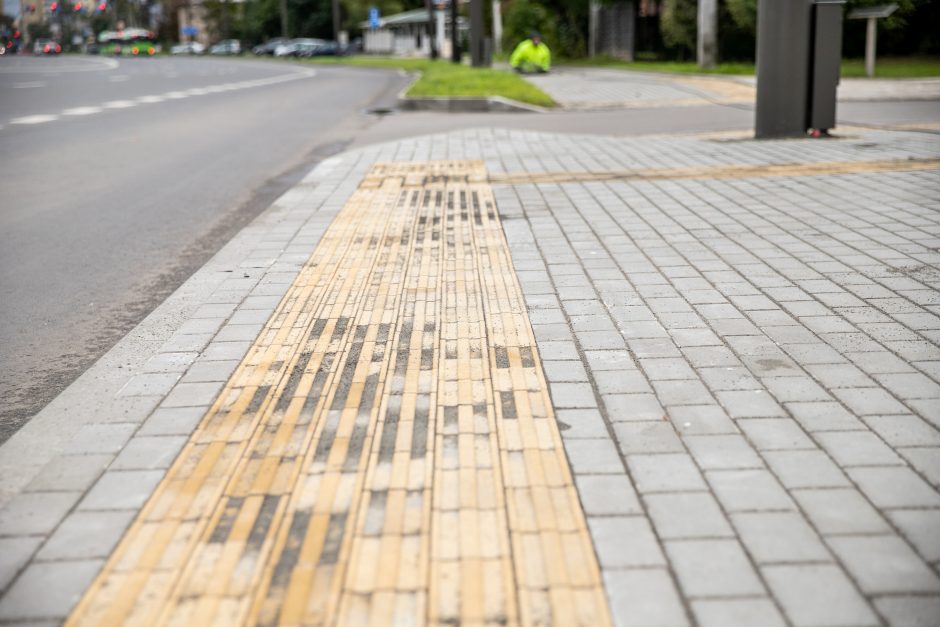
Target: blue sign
373	17
190	31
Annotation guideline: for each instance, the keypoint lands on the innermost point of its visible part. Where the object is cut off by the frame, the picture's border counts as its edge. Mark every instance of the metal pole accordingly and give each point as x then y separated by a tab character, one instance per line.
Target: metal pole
783	57
476	33
454	33
336	20
594	10
497	27
283	6
432	34
871	33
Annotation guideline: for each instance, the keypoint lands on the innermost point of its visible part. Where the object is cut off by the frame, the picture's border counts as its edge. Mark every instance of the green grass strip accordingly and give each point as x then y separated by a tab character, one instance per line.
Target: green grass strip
443	78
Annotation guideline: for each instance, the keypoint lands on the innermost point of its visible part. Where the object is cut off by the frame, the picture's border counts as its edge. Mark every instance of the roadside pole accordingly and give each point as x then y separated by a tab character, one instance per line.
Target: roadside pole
454	33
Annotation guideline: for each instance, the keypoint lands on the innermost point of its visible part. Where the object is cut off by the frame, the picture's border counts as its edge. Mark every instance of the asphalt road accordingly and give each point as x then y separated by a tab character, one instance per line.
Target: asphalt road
118	179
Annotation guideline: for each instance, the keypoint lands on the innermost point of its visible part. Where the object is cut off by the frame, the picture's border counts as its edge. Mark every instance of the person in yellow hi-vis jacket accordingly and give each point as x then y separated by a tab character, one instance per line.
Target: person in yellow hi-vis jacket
531	55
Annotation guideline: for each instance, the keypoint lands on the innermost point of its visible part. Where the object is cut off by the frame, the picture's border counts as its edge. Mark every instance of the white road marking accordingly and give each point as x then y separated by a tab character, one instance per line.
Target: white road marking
28	85
34	119
119	104
119	79
83	111
173	95
94	65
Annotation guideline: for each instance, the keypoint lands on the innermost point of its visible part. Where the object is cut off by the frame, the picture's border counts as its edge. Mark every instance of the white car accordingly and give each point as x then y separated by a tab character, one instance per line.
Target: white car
189	47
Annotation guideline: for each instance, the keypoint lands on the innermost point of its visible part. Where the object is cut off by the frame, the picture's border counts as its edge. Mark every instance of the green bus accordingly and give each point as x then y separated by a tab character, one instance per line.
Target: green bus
130	42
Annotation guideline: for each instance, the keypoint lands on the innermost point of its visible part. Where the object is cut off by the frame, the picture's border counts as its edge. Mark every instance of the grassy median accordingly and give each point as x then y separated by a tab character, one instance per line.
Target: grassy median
888	67
443	78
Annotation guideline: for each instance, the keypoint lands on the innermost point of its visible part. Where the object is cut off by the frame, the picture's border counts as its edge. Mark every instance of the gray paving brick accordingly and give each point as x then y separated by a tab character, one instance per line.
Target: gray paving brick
647	437
686	392
904	430
59	585
840	511
909	611
857	448
796	388
750	404
250	316
644	597
654	348
740	612
628	407
805	469
32	513
552	332
101	438
206	371
197	326
894	486
630	382
222	351
749	490
607	360
600	340
710	356
149	452
701	420
665	473
193	394
818	594
884	564
558	350
840	376
121	489
593	456
925	460
687	515
729	378
558	371
777	537
607	495
85	535
169	362
669	368
879	362
712	568
186	343
869	401
774	434
824	416
173	421
713	452
625	542
68	473
16	552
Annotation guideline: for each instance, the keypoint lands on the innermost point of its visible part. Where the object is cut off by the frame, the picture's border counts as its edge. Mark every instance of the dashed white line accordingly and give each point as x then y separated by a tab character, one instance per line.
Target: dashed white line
119	104
83	111
34	119
174	95
150	99
28	85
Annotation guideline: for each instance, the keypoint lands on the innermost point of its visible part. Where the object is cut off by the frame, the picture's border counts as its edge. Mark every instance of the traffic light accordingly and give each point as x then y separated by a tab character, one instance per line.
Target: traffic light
102	7
54	7
77	7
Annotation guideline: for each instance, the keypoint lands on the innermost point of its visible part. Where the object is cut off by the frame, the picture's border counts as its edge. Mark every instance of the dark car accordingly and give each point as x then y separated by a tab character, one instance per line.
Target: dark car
325	49
46	46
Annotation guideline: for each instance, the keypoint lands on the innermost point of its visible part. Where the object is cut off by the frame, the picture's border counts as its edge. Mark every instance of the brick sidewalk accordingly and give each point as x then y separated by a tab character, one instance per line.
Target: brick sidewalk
745	372
608	88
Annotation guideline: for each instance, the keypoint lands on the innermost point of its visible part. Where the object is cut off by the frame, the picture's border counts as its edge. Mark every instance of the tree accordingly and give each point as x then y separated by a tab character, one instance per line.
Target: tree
678	25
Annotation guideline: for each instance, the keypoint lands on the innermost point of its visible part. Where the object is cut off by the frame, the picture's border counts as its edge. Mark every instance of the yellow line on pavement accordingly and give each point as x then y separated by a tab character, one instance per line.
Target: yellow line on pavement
386	453
721	171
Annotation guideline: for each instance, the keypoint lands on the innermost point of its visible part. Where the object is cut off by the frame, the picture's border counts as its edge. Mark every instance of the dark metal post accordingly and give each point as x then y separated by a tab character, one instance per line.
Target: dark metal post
336	20
783	65
454	33
283	8
827	63
432	28
476	33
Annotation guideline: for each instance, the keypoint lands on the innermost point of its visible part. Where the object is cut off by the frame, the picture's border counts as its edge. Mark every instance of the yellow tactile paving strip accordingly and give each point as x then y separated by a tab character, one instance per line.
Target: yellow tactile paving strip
722	171
385	454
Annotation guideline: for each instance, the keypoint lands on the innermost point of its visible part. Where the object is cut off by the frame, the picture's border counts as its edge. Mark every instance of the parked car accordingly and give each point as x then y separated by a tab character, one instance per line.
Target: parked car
298	47
46	46
268	47
226	47
188	47
325	49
